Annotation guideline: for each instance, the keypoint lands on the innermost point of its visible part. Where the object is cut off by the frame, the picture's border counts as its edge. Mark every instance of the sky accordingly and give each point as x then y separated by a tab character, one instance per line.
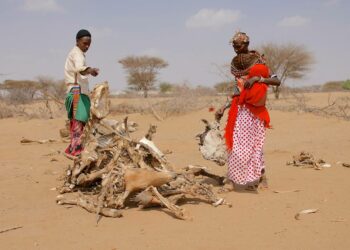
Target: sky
191	35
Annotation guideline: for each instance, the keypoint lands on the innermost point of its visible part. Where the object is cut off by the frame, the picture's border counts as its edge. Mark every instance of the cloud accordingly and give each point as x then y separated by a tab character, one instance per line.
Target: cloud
41	6
293	21
209	18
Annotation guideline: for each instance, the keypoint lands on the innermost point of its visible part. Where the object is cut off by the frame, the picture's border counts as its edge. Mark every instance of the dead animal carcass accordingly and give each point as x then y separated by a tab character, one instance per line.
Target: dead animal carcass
115	171
211	143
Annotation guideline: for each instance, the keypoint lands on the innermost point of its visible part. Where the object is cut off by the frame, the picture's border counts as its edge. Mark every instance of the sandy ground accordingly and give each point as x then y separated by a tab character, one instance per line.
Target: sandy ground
256	221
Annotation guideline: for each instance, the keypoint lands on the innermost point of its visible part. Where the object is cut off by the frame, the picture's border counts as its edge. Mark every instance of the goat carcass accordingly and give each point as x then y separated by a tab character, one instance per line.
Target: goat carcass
211	143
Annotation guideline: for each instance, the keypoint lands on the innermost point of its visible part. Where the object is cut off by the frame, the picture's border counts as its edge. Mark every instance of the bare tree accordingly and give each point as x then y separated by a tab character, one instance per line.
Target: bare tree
142	71
288	61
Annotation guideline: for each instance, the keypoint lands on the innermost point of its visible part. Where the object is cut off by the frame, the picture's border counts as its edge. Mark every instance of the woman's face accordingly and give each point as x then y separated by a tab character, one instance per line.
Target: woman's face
240	47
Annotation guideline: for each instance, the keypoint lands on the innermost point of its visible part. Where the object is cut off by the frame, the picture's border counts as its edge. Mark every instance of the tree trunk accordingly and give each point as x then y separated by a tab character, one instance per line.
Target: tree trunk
145	93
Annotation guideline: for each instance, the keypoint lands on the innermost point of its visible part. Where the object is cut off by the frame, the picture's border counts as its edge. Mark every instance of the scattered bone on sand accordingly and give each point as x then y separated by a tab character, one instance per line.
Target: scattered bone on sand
306	211
307	160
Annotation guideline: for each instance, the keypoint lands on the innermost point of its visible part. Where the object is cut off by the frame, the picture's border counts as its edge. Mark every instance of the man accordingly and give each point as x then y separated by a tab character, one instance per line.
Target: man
77	102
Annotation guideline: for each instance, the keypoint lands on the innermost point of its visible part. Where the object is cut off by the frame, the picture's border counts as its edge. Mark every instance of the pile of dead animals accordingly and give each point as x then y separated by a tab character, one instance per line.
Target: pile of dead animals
116	171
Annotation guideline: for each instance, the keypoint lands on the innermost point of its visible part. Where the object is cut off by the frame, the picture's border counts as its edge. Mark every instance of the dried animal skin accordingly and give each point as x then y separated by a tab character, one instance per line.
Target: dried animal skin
100	103
211	143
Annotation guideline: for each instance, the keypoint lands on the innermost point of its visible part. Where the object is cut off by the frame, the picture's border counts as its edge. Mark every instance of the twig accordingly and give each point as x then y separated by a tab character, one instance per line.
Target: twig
286	191
10	229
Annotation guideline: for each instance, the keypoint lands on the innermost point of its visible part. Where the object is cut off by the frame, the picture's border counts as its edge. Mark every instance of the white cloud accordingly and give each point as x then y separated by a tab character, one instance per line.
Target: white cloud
209	18
41	5
293	21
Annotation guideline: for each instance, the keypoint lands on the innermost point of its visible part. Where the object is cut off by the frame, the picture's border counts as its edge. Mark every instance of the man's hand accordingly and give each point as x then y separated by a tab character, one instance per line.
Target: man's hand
93	71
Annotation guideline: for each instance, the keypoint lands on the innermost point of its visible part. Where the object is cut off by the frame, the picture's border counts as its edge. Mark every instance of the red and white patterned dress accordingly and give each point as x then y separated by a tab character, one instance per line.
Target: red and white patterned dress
245	160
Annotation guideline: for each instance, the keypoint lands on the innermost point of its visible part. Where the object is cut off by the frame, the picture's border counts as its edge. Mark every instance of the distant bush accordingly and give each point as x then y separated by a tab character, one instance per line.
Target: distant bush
126	108
224	87
18	92
333	86
165	87
204	91
346	85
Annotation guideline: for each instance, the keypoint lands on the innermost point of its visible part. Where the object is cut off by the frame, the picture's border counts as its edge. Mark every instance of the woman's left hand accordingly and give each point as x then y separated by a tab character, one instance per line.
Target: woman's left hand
250	82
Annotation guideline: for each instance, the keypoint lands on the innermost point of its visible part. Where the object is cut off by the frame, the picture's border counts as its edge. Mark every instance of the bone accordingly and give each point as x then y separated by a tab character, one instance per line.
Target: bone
88	206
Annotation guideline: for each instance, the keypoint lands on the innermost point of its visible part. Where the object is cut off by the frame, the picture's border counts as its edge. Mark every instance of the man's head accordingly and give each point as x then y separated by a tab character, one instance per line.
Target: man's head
83	39
240	42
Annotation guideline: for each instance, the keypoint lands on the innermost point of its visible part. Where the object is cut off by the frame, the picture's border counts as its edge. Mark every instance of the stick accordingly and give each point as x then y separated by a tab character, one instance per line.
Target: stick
10	229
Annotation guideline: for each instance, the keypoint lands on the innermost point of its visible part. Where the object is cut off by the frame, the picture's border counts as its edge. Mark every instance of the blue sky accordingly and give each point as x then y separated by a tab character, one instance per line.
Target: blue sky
192	36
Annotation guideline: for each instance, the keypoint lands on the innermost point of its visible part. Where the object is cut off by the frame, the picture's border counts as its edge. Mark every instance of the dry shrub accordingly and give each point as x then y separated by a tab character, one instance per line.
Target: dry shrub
126	108
340	107
6	111
185	100
35	110
333	86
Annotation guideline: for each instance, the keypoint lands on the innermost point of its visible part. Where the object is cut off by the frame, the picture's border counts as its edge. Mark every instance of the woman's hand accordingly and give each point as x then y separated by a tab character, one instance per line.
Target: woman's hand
250	82
219	113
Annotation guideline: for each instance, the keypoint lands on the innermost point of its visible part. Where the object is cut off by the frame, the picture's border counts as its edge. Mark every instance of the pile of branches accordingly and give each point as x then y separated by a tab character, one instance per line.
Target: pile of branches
307	160
115	171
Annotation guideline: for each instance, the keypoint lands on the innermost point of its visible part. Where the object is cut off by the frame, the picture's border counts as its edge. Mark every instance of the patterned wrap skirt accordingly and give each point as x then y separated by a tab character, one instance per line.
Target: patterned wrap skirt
246	160
76	127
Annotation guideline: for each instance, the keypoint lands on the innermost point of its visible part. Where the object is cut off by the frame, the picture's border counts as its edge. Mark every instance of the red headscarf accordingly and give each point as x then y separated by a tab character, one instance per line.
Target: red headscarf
253	98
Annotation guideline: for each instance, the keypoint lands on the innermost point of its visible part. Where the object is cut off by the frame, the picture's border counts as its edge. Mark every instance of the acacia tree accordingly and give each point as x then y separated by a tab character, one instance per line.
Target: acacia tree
287	61
142	71
20	91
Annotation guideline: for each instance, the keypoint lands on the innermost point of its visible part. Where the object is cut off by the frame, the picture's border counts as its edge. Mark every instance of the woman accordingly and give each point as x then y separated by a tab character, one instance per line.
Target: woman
248	116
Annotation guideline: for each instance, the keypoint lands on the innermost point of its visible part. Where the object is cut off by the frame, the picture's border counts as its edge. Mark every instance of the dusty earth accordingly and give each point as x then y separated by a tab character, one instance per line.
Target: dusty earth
263	220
